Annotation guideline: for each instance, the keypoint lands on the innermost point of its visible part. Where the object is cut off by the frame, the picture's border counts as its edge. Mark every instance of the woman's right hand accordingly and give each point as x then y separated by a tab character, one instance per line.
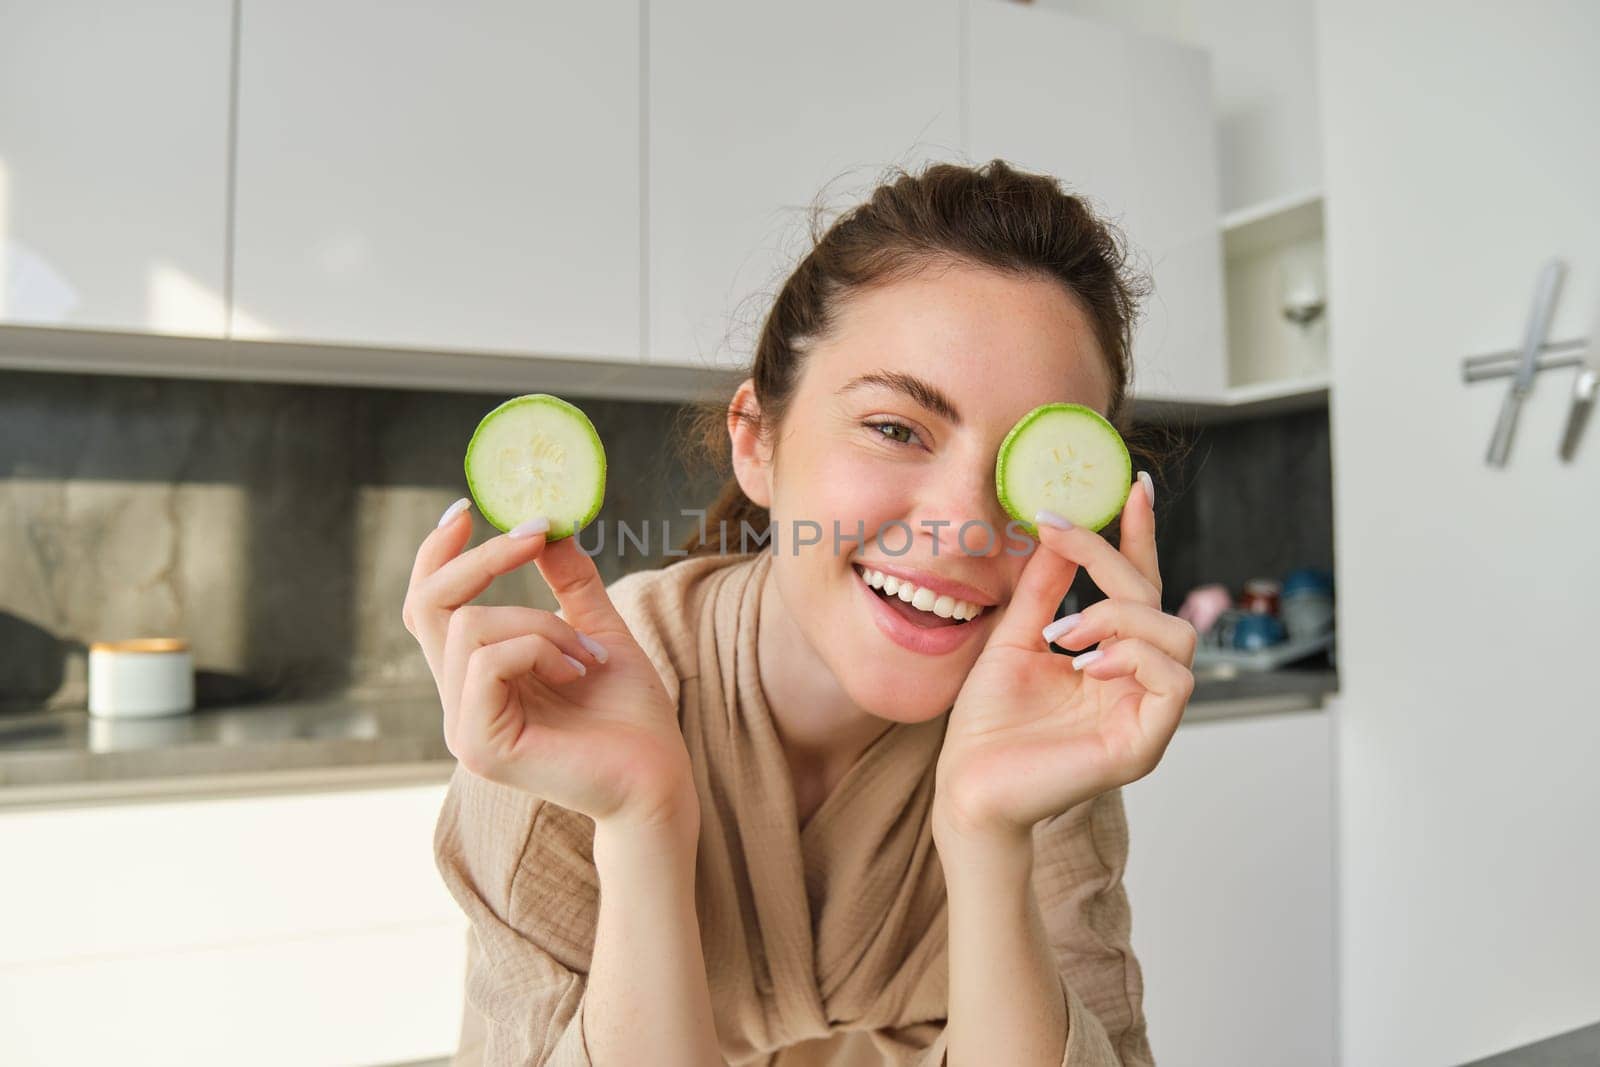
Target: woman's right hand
603	741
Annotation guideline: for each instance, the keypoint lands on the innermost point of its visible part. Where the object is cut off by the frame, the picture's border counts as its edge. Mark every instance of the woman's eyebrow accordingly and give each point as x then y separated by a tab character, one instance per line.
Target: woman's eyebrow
923	392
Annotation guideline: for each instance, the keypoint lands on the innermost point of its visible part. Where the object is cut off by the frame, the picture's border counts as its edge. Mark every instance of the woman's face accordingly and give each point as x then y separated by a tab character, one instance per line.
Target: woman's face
894	426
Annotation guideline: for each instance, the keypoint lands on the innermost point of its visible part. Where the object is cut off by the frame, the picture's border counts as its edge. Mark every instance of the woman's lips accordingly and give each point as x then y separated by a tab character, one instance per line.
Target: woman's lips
925	640
935	582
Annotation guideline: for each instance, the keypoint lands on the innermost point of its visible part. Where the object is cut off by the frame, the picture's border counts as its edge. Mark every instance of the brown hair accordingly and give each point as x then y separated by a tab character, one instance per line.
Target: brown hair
992	215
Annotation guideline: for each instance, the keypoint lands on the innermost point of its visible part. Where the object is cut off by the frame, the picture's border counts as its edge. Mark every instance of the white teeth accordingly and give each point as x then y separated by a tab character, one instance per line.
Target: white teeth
944	606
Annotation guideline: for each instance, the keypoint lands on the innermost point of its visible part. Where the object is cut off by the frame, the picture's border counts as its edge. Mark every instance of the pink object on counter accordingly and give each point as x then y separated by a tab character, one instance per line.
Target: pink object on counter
1204	605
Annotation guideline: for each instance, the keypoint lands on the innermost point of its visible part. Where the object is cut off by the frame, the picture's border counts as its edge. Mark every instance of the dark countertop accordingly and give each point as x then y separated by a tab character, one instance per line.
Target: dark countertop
341	741
1295	688
1573	1047
67	755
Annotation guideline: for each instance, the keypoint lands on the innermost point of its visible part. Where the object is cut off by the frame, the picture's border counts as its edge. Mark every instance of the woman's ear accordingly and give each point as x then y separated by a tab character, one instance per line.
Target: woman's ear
752	464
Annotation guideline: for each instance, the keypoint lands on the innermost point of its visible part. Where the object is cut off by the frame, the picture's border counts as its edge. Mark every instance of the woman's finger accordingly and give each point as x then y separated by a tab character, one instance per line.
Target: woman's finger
442	544
1045	579
457	580
579	589
1168	685
483	726
1138	530
474	626
1121	619
1114	573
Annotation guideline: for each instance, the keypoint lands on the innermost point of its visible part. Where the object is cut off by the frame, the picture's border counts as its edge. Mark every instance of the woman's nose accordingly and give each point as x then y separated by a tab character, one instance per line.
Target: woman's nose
962	515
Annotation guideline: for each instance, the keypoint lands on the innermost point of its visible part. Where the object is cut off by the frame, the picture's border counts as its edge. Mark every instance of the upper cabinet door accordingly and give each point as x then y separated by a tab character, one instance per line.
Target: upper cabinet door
1124	119
1174	212
461	175
755	110
113	164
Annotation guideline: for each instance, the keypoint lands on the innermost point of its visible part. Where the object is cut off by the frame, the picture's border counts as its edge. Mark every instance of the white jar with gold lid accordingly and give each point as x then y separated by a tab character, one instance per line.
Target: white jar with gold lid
141	677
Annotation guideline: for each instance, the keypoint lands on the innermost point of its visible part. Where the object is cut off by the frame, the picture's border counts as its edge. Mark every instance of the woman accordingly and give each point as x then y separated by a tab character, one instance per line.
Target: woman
748	809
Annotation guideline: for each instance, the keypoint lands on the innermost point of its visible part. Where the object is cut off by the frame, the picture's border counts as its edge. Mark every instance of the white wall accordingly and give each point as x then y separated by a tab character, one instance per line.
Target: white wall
1460	153
1264	69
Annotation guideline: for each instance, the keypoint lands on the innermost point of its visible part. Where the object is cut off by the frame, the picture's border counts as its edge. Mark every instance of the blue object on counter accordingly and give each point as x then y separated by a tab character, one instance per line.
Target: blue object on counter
1307	578
1258	630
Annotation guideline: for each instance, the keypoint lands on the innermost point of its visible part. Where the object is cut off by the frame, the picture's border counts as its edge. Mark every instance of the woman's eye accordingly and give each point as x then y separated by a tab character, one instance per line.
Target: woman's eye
889	430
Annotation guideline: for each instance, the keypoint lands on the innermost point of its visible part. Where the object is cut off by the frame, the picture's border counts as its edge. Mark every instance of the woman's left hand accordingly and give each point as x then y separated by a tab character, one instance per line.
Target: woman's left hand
1030	735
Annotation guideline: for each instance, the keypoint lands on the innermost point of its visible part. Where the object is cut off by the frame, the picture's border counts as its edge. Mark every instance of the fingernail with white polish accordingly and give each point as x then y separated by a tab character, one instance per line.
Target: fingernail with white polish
576	663
453	510
593	646
1080	662
1050	518
1061	626
1149	488
536	525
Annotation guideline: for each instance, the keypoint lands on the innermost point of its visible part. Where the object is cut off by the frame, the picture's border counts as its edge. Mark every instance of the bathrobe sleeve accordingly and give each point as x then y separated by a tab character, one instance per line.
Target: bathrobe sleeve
1078	861
1088	1044
1079	857
523	873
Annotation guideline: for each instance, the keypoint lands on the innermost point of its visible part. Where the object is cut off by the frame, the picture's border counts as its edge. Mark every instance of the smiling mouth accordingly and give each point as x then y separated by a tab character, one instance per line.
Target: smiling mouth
939	611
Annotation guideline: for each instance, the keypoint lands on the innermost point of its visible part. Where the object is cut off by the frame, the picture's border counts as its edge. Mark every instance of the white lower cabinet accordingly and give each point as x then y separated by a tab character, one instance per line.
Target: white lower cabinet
1231	880
308	928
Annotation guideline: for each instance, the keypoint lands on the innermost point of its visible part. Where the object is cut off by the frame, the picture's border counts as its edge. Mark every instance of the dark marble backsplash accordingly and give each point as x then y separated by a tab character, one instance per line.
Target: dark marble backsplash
275	525
272	525
1246	499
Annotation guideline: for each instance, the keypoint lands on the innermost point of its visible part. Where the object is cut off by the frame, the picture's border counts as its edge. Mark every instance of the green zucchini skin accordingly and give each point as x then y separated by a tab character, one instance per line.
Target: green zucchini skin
566	418
1078	423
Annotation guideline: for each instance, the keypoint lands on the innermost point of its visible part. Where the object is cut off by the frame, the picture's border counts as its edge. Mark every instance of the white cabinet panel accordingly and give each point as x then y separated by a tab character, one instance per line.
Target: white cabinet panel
1230	877
1048	92
113	164
385	995
440	175
1124	119
131	878
754	109
1180	349
296	928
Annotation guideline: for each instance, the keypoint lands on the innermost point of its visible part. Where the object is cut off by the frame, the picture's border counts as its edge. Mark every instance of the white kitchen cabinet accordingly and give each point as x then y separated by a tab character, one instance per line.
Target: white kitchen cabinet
1230	878
459	176
113	164
301	928
1125	119
754	109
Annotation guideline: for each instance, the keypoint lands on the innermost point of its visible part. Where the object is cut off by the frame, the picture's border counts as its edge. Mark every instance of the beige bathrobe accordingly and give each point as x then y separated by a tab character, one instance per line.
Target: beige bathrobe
824	944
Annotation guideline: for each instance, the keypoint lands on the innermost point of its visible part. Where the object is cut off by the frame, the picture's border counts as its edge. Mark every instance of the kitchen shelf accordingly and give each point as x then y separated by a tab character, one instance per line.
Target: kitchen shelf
1272	250
1279	221
1241	401
1256	394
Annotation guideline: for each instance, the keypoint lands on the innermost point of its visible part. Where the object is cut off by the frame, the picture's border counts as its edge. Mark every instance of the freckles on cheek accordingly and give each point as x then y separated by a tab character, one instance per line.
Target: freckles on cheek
850	489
